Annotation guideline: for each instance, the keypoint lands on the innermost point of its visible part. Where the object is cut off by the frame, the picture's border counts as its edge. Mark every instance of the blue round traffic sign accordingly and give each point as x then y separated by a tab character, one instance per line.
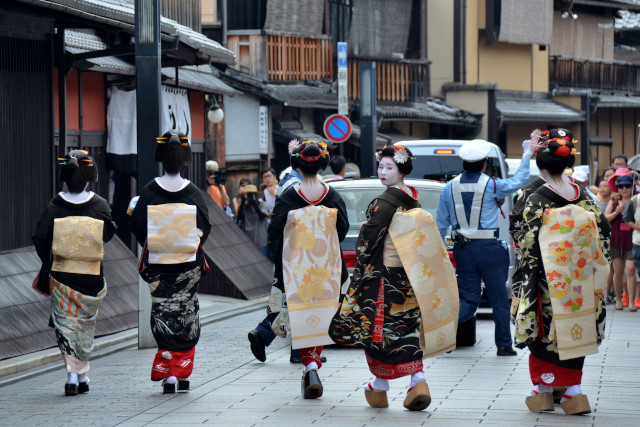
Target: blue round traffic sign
337	128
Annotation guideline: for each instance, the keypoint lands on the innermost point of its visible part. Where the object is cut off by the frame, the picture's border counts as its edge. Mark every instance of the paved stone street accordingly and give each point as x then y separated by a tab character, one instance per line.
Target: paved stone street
229	387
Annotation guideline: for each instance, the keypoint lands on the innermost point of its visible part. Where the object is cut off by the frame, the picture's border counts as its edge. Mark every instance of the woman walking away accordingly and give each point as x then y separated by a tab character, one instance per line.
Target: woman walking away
69	239
621	182
561	313
308	223
402	304
171	221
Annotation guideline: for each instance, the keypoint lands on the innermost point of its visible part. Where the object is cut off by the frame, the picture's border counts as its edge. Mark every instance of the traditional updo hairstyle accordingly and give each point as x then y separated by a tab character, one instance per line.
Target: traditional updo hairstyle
309	156
555	150
77	169
400	155
173	151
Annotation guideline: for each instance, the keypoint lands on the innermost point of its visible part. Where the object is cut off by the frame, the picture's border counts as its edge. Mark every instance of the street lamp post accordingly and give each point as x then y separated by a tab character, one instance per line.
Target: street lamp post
368	118
148	99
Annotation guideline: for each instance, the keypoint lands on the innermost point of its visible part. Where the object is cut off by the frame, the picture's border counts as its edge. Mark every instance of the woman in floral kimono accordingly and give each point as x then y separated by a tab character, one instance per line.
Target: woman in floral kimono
68	239
307	158
171	220
384	317
549	295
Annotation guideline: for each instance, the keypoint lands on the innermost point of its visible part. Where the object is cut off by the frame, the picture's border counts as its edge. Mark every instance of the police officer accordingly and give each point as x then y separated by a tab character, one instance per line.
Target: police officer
469	204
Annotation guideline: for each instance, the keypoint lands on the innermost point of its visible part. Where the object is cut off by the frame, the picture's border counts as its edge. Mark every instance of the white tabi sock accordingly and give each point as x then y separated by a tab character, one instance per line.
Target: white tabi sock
171	380
83	378
378	384
310	367
416	378
539	389
572	390
72	378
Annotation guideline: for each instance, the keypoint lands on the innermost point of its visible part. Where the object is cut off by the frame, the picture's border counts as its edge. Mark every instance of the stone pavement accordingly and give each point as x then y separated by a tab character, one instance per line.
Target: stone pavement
229	387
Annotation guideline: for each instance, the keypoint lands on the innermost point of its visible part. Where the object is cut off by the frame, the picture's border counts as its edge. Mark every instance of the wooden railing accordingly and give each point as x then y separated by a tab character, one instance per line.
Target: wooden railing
272	56
596	74
399	81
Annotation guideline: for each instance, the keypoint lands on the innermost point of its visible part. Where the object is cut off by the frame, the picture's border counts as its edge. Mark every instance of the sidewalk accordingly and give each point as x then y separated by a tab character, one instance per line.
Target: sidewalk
229	387
212	308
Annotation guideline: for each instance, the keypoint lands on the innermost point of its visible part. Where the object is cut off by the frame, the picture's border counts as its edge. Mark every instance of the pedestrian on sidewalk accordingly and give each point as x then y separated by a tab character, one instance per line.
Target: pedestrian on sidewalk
631	216
469	204
252	217
621	182
69	240
382	311
561	311
171	221
308	223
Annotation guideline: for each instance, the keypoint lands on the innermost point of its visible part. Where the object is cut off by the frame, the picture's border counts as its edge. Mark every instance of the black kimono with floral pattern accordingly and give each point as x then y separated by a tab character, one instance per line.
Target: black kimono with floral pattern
534	284
353	323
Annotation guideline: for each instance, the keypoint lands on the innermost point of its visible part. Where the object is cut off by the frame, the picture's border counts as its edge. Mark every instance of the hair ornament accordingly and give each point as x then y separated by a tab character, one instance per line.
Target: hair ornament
401	155
293	144
324	152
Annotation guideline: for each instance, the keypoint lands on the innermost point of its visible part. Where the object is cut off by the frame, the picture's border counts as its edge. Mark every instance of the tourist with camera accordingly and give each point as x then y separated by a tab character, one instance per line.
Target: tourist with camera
215	184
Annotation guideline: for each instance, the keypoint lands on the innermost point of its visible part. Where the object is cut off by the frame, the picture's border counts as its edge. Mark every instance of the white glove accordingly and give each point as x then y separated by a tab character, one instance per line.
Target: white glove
526	149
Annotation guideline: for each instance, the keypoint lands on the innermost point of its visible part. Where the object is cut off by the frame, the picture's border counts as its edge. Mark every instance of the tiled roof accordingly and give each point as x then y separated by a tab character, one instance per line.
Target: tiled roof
198	78
627	21
618	101
532	108
318	95
121	14
429	111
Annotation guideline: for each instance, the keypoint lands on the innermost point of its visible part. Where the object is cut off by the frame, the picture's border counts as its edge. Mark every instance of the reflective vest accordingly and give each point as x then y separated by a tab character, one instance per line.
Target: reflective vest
470	228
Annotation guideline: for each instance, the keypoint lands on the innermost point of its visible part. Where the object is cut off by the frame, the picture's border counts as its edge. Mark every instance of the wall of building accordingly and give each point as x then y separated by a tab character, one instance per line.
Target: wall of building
475	21
196	109
476	102
513	66
620	124
241	128
439	33
589	36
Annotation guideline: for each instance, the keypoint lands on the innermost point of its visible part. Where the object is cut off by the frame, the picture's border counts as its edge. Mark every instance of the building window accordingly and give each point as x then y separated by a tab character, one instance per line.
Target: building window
210	12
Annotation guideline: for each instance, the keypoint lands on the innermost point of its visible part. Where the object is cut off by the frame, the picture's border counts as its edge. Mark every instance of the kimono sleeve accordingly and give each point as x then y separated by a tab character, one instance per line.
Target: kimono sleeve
369	245
110	227
139	219
342	223
202	218
43	236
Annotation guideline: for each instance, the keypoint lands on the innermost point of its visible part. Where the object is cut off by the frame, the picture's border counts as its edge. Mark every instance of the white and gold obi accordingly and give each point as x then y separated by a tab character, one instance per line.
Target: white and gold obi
172	235
77	245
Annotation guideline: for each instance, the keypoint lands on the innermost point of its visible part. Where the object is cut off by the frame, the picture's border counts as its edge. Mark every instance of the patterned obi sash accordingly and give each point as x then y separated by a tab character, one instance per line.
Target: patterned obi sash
172	236
312	268
77	245
576	270
425	260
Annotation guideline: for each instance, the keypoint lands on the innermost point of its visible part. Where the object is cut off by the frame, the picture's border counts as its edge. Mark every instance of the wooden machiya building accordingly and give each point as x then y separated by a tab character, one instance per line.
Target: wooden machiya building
286	69
67	80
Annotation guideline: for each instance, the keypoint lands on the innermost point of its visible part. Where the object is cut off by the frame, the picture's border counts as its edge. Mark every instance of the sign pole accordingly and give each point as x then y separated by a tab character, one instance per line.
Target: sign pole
148	95
368	119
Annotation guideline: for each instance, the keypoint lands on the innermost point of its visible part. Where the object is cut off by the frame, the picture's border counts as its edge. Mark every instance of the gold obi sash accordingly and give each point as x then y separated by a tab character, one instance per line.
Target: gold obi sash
425	260
311	270
77	245
576	270
390	257
172	236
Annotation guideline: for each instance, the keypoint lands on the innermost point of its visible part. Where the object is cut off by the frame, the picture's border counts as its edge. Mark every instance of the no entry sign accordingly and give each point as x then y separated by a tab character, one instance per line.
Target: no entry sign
337	128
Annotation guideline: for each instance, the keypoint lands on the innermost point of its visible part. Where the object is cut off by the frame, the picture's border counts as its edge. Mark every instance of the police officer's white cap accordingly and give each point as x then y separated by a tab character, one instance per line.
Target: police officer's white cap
474	150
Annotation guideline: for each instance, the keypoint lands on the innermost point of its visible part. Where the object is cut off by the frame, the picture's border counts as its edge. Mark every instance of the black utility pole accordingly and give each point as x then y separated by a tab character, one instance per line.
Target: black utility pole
368	119
148	81
148	126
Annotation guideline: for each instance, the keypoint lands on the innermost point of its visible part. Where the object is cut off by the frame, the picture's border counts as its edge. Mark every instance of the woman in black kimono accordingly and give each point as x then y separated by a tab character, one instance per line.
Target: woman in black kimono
534	316
175	322
380	311
307	158
68	240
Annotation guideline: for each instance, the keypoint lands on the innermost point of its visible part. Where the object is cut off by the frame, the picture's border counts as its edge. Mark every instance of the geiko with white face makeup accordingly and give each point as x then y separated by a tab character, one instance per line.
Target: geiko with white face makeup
390	176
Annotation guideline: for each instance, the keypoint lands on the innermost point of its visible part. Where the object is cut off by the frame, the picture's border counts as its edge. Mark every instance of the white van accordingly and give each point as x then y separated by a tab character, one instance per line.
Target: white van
438	159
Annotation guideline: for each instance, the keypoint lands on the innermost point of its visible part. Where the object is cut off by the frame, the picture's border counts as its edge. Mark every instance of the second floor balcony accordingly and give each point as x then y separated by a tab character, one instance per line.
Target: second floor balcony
595	74
275	57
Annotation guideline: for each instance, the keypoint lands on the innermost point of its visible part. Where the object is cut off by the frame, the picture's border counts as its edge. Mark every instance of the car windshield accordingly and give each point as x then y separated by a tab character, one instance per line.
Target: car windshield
357	200
444	168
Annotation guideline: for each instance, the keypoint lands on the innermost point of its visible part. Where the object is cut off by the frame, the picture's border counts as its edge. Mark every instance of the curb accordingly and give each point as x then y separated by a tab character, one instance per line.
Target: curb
33	364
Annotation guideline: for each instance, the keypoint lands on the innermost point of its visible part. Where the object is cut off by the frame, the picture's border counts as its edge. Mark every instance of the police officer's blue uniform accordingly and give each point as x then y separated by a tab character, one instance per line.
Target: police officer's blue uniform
469	204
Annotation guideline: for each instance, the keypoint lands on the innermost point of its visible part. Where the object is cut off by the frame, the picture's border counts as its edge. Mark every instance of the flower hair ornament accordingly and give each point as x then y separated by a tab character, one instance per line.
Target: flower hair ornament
294	144
558	142
401	155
